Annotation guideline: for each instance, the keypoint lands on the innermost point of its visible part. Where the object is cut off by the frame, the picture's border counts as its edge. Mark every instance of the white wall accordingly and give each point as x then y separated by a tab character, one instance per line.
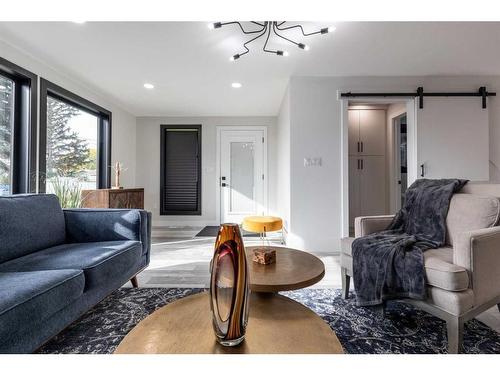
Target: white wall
123	123
283	163
148	164
315	131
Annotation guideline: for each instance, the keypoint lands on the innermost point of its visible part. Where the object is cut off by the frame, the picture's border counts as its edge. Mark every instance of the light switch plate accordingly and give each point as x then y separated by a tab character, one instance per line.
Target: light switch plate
313	162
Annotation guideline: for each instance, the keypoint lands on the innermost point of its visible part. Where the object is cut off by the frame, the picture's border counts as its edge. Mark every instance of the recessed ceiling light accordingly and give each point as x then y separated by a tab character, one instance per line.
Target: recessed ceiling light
149	86
79	21
236	85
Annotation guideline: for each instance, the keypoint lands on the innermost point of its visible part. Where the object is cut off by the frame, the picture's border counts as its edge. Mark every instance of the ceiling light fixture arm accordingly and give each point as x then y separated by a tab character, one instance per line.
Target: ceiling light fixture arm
275	28
298	27
241	27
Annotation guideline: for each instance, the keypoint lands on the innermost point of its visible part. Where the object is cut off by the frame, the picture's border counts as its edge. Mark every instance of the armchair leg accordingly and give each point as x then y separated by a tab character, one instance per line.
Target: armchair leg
346	280
455	329
498	307
134	282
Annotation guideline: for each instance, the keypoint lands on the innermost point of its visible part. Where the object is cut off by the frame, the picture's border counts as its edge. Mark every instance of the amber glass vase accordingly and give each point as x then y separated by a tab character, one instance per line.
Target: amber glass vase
229	289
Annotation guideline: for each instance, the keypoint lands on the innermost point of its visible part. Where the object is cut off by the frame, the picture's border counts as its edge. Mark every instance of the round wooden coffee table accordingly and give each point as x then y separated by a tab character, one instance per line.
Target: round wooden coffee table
294	269
276	324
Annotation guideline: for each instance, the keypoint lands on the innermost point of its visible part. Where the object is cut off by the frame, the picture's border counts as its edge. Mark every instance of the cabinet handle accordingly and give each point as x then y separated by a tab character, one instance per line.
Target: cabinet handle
361	146
422	171
358	146
358	163
361	163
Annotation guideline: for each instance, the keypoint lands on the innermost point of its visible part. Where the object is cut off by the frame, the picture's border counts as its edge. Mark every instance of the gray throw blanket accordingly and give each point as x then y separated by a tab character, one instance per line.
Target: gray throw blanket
389	264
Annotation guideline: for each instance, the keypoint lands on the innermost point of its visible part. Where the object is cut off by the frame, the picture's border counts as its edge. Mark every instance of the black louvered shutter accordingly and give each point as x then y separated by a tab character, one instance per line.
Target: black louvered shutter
181	170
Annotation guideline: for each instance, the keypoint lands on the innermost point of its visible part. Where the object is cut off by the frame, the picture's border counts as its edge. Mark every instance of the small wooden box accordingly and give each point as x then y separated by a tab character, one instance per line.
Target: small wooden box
264	256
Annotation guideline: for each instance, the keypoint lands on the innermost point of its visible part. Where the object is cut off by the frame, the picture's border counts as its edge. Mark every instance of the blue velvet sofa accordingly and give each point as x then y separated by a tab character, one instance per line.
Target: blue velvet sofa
55	264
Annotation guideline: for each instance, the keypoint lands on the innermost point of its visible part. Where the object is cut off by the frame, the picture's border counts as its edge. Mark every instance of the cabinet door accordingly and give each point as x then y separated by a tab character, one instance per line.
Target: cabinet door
136	199
354	189
118	199
373	198
372	131
353	131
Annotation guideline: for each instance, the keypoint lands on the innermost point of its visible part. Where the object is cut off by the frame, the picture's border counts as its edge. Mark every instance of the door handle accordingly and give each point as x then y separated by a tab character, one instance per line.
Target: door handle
422	170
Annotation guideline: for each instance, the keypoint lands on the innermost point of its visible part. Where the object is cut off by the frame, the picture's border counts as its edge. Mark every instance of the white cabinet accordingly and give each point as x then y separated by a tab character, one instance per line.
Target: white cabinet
367	132
367	163
372	186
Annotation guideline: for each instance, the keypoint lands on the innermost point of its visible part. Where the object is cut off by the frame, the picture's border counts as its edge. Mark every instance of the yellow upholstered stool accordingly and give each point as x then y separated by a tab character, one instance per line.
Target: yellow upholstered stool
262	224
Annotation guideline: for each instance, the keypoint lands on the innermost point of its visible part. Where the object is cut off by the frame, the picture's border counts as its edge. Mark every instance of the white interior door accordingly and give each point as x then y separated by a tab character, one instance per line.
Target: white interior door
242	180
452	139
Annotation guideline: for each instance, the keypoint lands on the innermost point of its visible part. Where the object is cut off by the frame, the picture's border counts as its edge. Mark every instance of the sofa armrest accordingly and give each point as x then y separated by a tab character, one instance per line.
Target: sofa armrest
479	252
365	225
94	225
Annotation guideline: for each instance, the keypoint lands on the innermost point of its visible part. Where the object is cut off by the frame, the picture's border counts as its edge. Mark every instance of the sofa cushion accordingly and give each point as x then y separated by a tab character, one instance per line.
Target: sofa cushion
470	212
438	266
101	262
29	222
455	303
28	296
442	273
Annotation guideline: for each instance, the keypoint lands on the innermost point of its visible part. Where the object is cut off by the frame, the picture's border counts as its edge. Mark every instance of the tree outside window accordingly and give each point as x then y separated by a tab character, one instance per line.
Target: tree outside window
71	151
6	127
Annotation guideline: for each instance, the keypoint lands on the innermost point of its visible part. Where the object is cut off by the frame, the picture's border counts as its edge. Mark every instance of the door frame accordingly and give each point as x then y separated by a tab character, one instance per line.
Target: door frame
396	136
218	190
411	123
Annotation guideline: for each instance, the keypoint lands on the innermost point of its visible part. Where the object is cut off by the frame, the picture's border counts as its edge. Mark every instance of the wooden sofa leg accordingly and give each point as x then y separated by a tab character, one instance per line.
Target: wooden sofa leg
455	329
346	280
134	282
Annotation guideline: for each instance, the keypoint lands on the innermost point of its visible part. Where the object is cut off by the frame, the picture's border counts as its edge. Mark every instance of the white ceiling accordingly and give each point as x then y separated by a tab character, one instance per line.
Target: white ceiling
189	66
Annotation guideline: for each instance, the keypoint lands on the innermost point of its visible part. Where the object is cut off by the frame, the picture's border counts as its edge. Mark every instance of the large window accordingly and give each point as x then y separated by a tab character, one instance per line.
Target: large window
71	154
18	92
74	143
6	133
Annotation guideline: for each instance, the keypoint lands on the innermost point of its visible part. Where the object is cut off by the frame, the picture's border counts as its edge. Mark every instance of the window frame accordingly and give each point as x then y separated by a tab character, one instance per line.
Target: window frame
163	132
24	137
104	116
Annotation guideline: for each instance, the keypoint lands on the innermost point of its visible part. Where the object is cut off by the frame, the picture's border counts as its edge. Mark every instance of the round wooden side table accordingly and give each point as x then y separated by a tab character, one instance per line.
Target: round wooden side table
294	269
276	325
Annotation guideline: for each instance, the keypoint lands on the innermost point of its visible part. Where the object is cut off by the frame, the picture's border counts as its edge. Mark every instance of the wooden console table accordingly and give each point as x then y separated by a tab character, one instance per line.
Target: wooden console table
113	198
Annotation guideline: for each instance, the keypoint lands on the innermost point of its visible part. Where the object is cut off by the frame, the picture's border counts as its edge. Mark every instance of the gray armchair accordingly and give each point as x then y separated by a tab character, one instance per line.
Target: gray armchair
463	277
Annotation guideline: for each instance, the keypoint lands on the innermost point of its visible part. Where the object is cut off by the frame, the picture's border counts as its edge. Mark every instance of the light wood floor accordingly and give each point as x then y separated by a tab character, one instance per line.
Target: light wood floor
180	260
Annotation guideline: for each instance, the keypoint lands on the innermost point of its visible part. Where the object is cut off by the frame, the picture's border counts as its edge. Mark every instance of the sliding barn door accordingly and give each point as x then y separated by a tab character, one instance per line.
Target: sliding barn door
452	139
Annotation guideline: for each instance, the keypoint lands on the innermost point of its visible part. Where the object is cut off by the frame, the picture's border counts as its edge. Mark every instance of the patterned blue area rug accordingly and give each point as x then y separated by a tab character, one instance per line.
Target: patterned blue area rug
360	330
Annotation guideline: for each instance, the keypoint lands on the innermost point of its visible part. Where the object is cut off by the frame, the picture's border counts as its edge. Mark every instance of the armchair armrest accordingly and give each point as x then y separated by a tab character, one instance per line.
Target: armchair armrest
94	225
479	252
364	225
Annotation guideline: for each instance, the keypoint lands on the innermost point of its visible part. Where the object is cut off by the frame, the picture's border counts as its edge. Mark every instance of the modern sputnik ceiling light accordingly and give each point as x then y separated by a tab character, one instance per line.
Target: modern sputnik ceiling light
267	30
